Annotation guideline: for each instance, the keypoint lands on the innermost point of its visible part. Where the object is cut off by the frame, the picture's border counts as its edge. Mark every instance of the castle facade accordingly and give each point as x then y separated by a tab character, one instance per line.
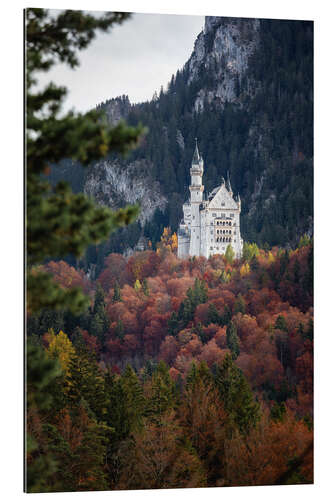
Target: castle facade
210	223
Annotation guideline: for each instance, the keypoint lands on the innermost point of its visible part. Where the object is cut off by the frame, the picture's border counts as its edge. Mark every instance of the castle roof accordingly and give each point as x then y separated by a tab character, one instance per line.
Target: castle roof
220	196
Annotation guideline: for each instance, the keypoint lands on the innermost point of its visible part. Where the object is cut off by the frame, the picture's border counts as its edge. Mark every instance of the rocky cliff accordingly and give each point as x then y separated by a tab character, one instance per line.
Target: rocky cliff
223	48
114	184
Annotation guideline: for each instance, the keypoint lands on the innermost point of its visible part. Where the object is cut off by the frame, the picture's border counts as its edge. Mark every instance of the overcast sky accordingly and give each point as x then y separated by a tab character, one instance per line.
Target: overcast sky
135	58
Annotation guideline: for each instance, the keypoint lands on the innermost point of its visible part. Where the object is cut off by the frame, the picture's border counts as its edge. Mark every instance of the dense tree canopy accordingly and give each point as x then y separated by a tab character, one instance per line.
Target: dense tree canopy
218	373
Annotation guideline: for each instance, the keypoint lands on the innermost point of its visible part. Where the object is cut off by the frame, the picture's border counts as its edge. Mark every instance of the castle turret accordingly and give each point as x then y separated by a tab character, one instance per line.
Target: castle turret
196	190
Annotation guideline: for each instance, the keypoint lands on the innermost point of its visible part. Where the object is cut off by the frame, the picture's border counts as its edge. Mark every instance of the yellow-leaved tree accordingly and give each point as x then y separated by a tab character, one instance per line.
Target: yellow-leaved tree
61	348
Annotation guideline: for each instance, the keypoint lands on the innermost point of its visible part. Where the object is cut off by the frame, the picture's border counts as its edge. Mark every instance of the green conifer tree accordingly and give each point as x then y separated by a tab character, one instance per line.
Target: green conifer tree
236	396
281	324
161	397
60	222
240	305
119	330
42	376
145	287
99	321
232	340
213	315
226	317
134	401
85	384
116	293
173	324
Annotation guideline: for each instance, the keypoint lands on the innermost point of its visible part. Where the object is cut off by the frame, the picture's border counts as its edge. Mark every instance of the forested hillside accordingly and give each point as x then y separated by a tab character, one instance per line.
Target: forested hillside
181	373
246	93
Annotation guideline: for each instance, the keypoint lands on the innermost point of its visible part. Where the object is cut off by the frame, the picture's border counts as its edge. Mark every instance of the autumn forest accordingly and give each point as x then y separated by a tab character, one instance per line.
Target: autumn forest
182	373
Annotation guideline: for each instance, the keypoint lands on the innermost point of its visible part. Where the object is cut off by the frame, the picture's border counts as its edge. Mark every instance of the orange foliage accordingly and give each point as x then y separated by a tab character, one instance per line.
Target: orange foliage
168	349
212	353
142	264
264	458
67	276
115	269
145	318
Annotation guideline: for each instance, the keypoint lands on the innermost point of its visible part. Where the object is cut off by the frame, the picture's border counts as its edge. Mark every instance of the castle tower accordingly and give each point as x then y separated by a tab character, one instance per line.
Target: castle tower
211	222
196	190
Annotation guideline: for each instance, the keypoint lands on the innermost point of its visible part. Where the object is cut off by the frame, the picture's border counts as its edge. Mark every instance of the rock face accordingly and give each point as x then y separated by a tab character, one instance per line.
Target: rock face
112	184
223	49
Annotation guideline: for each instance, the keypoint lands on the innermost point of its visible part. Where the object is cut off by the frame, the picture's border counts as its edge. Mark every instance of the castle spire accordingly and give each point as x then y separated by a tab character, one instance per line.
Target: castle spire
196	154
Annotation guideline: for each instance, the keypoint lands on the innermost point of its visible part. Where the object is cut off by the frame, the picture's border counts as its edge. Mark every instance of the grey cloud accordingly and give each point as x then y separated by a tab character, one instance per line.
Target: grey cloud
136	58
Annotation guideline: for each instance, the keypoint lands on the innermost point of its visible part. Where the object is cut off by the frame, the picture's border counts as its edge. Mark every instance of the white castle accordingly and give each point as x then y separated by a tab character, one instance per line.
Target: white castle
210	223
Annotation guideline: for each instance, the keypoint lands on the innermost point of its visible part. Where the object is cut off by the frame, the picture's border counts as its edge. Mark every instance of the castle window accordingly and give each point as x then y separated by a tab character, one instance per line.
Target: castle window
211	248
223	204
231	215
214	215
